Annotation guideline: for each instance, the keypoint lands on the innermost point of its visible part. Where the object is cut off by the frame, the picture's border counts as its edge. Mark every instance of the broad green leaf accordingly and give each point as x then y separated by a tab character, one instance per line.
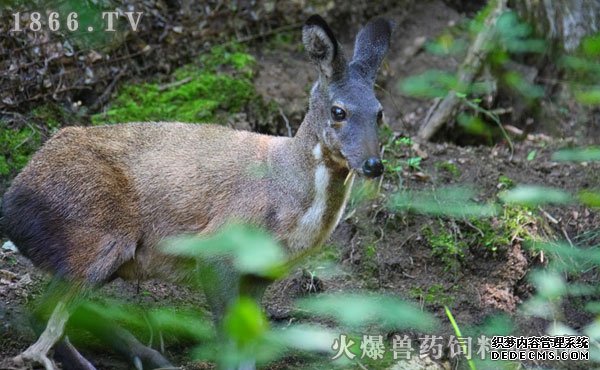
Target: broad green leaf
590	198
450	202
548	284
473	125
253	251
181	323
588	154
574	259
593	330
590	96
524	87
591	45
532	195
361	310
245	322
581	65
446	44
305	337
593	307
431	84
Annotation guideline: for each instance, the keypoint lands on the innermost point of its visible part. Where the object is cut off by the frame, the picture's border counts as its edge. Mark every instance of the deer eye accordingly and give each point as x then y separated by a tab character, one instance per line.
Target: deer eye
338	114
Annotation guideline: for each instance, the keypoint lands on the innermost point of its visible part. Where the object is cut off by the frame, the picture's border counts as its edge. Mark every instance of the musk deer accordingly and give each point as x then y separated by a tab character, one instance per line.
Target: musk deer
94	202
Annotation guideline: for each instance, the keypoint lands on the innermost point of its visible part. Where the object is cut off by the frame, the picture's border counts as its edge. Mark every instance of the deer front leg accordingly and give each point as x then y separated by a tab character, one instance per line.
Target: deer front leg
222	285
38	352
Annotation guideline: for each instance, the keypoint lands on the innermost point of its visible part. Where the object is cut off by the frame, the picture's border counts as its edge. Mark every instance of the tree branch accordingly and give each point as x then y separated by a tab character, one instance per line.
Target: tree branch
466	73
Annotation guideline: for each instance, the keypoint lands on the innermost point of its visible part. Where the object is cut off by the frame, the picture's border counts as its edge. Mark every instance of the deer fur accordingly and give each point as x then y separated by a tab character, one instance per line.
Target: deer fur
95	202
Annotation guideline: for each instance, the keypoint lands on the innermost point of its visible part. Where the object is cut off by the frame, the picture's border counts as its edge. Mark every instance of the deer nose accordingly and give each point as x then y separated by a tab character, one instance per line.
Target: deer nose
373	167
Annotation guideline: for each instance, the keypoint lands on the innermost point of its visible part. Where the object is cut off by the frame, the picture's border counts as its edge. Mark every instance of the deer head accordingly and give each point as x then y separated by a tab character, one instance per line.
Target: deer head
342	101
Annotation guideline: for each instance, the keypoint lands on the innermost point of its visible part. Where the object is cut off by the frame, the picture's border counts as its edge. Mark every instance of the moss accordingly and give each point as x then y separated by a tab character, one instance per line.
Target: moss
451	240
50	117
446	245
520	222
449	167
435	294
221	81
505	182
16	147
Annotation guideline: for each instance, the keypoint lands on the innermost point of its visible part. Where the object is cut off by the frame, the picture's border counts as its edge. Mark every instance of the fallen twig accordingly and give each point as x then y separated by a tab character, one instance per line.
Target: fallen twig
466	73
174	84
287	122
108	91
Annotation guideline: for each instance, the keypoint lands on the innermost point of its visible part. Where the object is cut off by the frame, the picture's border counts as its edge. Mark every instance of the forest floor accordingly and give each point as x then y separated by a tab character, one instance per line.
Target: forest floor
380	249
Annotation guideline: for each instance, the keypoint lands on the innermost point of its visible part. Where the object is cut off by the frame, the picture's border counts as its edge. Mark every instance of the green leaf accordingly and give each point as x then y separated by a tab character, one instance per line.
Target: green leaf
446	44
245	322
591	45
361	310
549	285
182	324
450	201
581	65
590	96
573	259
253	250
531	155
590	198
414	162
431	84
524	87
593	331
304	337
588	154
474	125
532	195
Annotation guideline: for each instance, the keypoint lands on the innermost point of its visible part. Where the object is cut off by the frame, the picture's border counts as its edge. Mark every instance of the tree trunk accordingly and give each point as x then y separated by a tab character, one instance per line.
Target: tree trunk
563	22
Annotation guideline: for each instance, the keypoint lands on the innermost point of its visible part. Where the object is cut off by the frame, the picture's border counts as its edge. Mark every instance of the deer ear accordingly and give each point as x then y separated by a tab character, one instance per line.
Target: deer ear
372	42
323	48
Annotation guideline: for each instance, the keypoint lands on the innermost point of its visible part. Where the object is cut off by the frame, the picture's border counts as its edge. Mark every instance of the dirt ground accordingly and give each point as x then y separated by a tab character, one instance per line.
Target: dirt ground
401	262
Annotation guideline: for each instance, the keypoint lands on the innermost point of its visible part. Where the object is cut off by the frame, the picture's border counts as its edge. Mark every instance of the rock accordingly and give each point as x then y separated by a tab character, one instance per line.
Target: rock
10	246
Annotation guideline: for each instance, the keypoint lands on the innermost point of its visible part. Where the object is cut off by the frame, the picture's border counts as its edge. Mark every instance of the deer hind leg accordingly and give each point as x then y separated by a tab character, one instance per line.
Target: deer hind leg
71	359
84	271
141	356
113	250
38	352
119	339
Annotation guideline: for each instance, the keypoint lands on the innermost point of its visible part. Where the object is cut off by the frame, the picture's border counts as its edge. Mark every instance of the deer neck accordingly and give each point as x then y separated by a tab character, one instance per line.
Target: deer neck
328	184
